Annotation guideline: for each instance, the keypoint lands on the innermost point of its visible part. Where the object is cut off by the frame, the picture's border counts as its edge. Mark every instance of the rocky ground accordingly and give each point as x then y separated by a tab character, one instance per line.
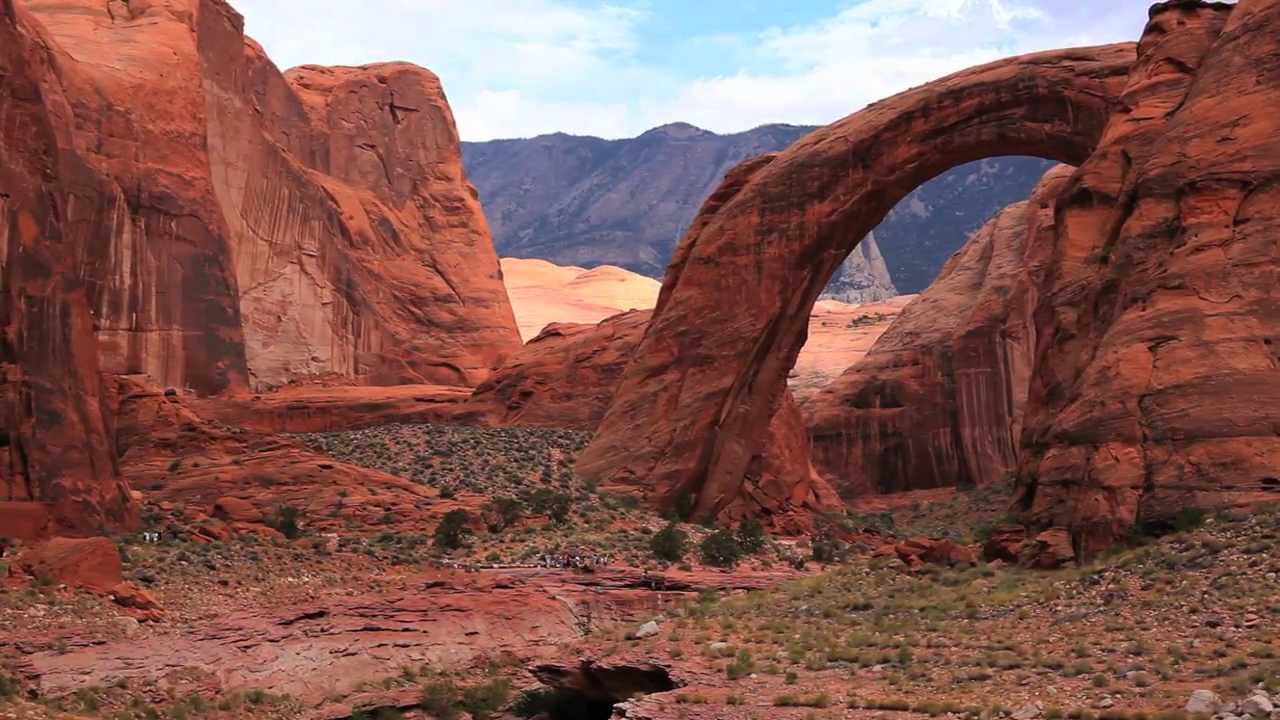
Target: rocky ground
310	628
1129	637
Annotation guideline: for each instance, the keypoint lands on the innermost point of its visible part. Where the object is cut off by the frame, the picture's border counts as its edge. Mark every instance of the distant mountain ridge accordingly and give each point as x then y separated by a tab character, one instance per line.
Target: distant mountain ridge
586	201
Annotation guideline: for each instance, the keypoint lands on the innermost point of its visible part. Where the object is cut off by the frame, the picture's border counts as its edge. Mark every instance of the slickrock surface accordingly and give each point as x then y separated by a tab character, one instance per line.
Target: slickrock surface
840	336
691	412
939	399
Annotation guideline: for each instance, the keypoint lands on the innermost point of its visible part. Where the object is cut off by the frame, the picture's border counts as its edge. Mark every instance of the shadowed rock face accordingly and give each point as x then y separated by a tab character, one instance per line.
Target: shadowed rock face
215	226
57	467
690	414
939	399
1155	383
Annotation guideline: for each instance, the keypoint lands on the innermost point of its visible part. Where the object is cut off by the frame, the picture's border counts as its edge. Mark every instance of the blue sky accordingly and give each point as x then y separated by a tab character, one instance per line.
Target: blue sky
518	68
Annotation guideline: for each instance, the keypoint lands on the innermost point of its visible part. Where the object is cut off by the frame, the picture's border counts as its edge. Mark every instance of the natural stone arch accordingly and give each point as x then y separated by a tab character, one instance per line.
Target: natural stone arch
694	405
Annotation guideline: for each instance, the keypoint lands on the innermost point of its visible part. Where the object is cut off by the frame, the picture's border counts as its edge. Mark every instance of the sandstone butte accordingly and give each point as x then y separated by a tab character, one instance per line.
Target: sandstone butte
218	227
1155	377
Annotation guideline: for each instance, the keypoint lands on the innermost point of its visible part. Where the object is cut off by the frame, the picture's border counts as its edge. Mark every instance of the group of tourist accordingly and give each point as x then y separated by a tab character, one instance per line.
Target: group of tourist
574	561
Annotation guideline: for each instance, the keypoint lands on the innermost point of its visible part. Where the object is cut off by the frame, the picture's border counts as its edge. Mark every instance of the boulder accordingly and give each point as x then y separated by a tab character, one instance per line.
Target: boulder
1050	549
138	603
1005	544
86	564
232	509
1258	705
647	630
1203	702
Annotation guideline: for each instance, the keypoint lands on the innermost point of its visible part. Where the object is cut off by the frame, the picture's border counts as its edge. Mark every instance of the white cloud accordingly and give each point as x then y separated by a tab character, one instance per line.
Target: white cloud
821	72
515	68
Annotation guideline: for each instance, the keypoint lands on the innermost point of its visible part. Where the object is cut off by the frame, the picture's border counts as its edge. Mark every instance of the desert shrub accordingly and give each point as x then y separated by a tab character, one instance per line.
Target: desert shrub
751	536
721	549
501	513
544	501
827	549
483	700
1188	518
817	700
452	529
288	520
669	543
441	700
742	666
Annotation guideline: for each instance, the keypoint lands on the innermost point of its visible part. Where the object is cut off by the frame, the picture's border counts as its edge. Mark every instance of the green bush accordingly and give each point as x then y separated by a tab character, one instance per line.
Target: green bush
751	536
501	513
669	543
721	549
441	700
452	529
545	501
287	519
482	701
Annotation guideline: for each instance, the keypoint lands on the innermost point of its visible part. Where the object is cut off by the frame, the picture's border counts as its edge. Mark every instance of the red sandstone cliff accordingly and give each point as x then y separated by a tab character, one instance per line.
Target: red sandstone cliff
58	468
268	229
938	400
174	207
1157	380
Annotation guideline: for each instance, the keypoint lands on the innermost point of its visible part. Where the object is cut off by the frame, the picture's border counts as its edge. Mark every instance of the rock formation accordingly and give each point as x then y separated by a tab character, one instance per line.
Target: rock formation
939	399
1155	383
217	226
543	293
58	469
690	413
863	277
1157	379
269	228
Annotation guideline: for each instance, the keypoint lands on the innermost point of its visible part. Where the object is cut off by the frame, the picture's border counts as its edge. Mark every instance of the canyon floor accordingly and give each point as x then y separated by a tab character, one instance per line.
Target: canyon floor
388	624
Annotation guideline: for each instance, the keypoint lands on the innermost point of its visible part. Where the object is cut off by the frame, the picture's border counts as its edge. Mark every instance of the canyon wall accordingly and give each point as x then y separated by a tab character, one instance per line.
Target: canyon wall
1157	377
58	467
268	229
938	400
176	208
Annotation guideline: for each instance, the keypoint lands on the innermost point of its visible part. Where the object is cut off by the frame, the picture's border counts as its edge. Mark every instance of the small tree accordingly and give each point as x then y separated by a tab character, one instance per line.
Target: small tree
721	549
751	536
286	519
668	543
501	513
452	529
